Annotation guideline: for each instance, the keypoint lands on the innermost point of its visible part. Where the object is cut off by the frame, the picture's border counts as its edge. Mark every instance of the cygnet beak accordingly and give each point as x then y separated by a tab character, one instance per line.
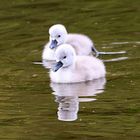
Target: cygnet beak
57	66
53	44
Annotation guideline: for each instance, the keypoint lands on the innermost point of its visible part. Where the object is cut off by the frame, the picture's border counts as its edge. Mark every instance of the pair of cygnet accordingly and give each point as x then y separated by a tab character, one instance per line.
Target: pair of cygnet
72	53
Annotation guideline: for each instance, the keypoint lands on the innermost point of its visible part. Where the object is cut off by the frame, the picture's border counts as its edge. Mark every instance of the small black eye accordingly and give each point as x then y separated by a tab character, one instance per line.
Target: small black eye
59	35
64	57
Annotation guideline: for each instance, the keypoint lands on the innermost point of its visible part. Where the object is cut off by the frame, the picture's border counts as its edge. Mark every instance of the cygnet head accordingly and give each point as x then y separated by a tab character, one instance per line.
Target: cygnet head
65	57
58	35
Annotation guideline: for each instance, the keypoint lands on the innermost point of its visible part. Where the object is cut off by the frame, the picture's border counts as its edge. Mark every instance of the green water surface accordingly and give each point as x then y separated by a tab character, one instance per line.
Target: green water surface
28	110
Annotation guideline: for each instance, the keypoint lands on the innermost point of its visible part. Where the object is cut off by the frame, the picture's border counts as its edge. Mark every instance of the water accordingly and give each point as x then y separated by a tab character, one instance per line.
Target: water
29	110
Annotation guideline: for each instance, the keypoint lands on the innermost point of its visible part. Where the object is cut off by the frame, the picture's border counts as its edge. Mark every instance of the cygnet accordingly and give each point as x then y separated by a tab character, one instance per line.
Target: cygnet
82	44
70	68
58	35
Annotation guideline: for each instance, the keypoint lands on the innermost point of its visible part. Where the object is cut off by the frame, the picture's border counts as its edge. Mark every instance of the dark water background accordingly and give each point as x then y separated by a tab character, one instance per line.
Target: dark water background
28	110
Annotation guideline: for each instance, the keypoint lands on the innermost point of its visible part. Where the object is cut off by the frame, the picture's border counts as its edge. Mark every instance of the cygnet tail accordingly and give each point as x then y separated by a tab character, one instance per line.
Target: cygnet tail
95	52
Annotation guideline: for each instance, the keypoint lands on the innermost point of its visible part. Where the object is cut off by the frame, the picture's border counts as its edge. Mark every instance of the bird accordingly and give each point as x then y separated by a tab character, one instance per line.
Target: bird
82	44
71	68
58	35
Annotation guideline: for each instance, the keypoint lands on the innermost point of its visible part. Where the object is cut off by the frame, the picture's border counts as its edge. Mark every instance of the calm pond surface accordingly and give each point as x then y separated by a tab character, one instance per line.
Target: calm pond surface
32	108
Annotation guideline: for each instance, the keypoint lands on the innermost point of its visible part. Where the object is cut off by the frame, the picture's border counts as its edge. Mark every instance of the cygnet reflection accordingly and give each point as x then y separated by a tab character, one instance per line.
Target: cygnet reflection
48	64
69	96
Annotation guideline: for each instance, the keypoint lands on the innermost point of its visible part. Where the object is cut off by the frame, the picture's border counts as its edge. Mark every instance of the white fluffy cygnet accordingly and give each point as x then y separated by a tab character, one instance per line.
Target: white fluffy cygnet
58	36
70	68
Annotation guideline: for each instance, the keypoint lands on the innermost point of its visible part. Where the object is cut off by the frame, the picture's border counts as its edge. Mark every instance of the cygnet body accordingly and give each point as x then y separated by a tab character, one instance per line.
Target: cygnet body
72	69
82	44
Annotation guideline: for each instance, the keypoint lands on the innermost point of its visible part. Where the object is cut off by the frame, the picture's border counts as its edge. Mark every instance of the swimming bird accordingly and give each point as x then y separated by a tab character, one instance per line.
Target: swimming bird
71	68
82	44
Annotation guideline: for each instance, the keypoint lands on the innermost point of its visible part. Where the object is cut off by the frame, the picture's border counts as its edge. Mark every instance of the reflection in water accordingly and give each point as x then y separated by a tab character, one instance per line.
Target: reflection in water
49	64
68	107
69	95
132	42
46	64
116	59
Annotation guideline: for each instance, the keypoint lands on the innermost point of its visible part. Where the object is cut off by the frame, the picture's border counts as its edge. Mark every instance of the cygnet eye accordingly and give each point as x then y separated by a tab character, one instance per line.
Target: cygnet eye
64	57
59	36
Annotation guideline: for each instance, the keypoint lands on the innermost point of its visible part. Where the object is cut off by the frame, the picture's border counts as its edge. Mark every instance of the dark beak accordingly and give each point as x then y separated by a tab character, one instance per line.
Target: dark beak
57	66
53	44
